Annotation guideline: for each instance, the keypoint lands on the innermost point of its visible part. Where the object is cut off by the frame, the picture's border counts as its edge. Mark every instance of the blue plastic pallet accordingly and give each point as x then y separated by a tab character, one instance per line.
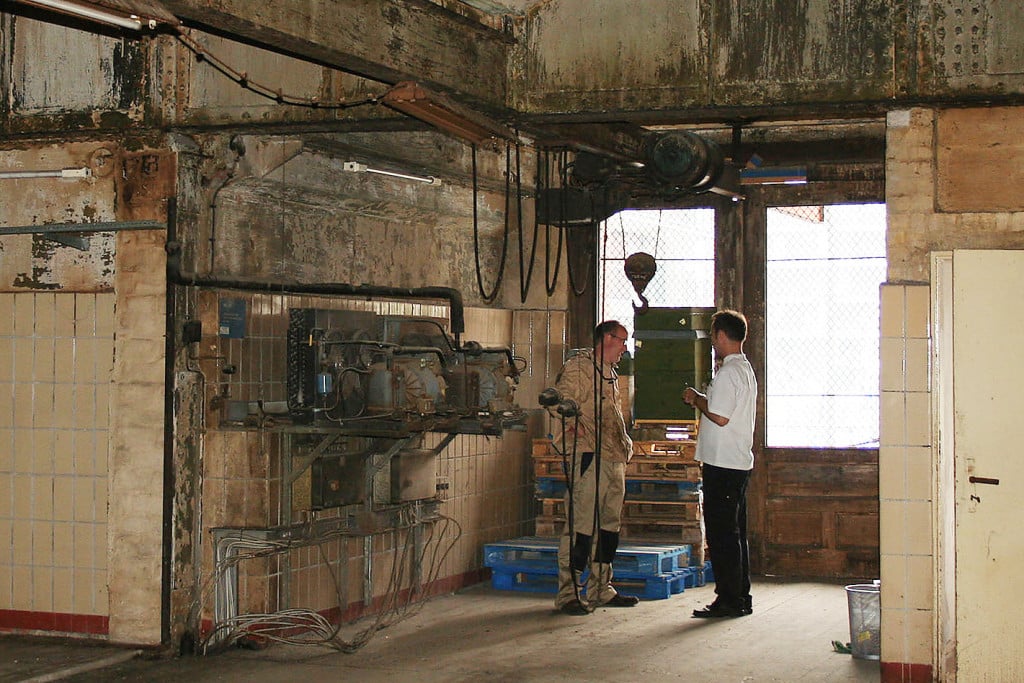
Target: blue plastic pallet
636	489
695	577
532	552
658	587
651	558
527	552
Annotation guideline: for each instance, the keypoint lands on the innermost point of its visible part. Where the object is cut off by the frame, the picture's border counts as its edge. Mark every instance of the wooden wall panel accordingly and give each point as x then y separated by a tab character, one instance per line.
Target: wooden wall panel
821	516
794	528
814	479
857	530
973	147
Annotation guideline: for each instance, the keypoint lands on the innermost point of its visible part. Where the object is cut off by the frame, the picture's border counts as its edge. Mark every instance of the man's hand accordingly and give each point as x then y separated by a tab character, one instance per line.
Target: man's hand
694	398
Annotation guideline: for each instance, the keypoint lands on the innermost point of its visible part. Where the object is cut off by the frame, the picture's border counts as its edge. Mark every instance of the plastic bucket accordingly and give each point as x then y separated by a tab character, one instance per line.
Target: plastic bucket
865	618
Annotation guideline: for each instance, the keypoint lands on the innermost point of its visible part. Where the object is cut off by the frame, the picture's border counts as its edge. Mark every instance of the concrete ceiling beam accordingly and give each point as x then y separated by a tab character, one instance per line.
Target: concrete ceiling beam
383	40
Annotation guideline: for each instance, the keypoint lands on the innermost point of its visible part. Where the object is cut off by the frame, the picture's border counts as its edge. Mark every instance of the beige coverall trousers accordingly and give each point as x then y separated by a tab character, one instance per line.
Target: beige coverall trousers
608	491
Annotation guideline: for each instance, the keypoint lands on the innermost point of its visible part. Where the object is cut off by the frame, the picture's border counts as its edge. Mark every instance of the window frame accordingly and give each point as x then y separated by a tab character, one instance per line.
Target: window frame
864	445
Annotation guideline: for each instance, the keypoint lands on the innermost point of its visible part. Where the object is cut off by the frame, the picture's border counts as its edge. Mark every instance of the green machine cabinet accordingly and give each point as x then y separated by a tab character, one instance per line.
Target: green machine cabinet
673	350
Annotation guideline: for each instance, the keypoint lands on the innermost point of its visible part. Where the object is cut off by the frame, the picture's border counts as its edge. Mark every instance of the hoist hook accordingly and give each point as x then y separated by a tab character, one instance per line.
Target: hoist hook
640	268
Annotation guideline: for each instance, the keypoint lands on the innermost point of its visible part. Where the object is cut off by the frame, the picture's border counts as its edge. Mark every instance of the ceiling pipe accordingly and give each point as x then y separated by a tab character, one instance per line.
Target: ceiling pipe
176	275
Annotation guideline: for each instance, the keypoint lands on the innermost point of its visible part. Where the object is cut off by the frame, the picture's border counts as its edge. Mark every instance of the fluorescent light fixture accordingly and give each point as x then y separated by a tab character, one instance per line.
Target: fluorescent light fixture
735	196
356	167
56	173
795	175
434	108
91	12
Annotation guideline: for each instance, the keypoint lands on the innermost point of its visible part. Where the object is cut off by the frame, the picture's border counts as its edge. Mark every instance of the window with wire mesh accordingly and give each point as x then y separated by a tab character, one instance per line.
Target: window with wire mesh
825	265
682	242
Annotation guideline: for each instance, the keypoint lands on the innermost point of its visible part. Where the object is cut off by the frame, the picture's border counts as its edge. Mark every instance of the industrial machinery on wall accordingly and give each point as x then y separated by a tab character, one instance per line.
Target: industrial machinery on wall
381	374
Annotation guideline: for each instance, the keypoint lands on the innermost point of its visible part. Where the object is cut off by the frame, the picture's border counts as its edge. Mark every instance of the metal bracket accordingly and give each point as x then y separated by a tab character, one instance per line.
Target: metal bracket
56	232
305	461
79	243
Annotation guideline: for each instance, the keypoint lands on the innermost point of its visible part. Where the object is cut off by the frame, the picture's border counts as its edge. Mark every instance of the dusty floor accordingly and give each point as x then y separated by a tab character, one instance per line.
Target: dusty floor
480	634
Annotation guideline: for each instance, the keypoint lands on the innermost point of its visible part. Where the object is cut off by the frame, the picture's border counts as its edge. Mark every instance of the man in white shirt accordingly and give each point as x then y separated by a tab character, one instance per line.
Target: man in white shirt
725	440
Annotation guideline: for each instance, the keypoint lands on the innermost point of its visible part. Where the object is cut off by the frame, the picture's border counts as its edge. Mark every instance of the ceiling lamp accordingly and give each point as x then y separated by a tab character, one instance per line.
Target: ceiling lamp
434	108
356	167
790	175
54	173
128	14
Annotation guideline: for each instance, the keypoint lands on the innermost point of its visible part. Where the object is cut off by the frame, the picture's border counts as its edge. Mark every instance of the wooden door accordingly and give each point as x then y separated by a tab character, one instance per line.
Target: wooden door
988	435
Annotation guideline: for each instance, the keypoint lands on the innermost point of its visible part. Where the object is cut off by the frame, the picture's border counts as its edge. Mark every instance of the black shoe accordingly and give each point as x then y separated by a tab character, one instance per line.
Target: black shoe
748	605
620	600
574	608
714	611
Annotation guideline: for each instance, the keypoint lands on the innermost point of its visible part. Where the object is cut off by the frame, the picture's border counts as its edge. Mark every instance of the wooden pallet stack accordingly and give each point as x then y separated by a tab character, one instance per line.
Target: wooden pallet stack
663	490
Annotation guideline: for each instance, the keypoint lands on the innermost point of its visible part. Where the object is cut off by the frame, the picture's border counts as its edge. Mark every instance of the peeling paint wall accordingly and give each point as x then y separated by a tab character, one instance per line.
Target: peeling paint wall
303	218
586	54
87	81
702	54
710	57
33	262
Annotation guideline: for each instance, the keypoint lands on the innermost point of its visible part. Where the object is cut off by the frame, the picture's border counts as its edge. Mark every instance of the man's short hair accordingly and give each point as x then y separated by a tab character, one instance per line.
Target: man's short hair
607	327
732	323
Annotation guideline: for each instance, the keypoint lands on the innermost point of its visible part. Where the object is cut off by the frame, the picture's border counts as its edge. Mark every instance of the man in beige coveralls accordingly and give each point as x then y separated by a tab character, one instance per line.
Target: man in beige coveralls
597	482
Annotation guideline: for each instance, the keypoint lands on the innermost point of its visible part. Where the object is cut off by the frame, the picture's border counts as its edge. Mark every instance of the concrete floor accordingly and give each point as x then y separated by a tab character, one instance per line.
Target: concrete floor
480	634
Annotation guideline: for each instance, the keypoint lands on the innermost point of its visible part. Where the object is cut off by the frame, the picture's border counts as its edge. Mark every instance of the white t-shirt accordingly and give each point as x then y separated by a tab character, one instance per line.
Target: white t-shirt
732	394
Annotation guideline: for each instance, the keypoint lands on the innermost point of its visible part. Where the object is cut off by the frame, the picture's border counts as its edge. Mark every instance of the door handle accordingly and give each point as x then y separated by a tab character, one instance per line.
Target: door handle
983	480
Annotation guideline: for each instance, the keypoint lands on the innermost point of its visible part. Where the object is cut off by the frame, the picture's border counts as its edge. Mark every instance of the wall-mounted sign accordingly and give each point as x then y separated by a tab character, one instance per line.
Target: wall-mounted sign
231	322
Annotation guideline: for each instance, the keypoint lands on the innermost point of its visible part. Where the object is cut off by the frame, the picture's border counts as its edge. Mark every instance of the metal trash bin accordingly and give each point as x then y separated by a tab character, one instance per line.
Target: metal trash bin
865	620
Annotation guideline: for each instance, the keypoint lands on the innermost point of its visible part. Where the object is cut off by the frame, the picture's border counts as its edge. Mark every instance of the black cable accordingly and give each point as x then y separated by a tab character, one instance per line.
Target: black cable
598	446
489	298
243	80
550	279
524	276
570	483
578	291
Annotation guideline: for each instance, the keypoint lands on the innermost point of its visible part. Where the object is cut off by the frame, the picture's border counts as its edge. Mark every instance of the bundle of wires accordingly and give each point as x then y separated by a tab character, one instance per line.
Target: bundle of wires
309	627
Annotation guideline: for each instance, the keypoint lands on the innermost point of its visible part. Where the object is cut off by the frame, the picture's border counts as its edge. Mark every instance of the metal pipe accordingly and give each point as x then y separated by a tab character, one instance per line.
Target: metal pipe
104	226
367	572
179	277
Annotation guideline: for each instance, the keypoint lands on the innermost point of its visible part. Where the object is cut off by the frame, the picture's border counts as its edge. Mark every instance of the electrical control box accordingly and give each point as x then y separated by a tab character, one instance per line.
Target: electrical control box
413	475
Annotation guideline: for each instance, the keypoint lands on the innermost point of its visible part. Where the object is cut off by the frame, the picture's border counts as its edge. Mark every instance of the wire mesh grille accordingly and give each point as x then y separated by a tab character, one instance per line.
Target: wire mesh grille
825	266
682	242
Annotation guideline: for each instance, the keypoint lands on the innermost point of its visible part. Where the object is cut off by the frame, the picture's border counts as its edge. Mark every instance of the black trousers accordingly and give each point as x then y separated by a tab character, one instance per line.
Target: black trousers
725	520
